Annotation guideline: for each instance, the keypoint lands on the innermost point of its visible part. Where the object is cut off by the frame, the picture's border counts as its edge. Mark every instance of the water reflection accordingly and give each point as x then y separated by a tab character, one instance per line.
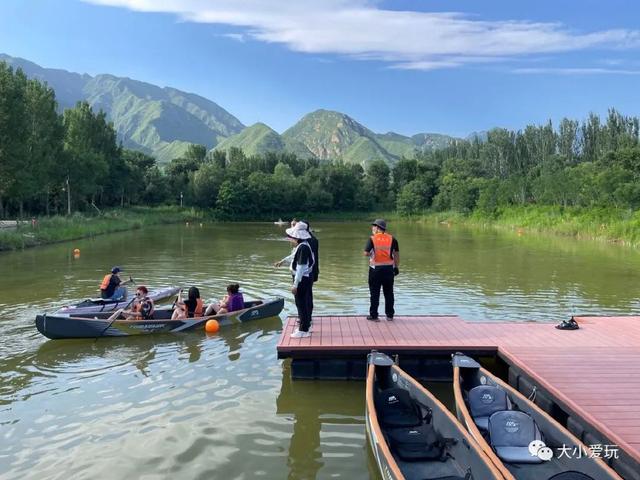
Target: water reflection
223	406
328	427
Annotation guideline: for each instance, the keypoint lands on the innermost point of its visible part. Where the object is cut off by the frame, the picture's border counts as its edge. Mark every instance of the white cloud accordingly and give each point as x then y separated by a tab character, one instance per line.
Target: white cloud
405	39
575	71
238	37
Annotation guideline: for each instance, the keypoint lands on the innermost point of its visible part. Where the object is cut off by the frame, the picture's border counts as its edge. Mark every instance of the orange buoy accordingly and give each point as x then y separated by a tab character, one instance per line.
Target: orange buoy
76	251
212	326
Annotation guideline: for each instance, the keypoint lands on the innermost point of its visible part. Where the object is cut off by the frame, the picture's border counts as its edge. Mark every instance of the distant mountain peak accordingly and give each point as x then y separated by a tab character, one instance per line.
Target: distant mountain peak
163	121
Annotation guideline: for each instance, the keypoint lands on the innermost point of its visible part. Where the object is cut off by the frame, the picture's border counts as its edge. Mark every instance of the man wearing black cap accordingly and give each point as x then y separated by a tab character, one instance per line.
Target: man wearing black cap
110	288
384	260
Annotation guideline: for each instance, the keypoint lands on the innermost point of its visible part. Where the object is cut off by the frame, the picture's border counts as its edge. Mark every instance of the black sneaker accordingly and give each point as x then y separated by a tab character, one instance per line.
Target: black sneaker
389	318
568	325
373	318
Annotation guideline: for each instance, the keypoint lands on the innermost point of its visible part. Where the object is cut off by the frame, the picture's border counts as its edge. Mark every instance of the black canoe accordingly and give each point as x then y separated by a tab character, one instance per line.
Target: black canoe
101	325
412	434
504	423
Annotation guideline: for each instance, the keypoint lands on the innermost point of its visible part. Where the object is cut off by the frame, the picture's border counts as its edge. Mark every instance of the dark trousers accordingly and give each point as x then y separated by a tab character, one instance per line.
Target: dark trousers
381	277
304	302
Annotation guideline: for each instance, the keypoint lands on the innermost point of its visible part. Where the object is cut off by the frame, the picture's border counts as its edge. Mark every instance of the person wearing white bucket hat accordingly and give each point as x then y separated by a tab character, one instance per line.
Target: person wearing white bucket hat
302	272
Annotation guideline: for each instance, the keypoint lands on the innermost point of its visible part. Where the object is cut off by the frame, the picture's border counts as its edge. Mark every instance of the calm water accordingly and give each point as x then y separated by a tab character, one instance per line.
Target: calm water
223	406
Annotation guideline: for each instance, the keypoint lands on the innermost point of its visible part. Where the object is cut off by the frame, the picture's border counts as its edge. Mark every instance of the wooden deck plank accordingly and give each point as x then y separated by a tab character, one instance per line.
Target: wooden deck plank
592	370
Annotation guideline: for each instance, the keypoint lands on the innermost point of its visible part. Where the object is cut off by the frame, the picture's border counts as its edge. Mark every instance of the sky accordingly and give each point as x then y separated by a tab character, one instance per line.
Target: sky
408	66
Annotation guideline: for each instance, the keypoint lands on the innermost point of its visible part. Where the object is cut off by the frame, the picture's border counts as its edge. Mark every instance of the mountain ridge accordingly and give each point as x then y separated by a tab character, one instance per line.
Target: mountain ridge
163	121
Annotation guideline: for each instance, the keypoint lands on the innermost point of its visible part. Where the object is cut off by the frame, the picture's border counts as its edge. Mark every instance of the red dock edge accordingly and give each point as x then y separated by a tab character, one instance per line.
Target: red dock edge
589	378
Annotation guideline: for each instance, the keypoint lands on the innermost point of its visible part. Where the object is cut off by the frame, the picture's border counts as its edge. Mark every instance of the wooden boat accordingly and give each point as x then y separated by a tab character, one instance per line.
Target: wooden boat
414	436
505	423
102	325
100	305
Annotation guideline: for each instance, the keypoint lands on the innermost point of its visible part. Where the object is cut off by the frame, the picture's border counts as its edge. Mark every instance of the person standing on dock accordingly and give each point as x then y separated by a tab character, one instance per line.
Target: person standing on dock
384	260
302	272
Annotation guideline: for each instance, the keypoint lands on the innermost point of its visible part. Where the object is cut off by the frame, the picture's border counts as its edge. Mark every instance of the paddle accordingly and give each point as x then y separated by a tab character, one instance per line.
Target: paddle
117	313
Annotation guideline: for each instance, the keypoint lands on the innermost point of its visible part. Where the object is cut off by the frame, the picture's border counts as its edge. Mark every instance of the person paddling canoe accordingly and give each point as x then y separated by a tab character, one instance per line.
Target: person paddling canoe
110	288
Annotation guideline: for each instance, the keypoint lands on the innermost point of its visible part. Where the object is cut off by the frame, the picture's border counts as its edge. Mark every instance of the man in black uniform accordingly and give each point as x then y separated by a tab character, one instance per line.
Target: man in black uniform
384	260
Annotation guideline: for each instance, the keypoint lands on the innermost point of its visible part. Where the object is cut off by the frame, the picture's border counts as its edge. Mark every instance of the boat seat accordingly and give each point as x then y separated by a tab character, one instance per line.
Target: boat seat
395	408
416	443
485	400
510	433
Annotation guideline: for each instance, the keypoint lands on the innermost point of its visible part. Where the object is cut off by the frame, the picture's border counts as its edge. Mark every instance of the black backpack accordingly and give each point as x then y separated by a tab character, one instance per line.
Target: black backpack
417	443
313	243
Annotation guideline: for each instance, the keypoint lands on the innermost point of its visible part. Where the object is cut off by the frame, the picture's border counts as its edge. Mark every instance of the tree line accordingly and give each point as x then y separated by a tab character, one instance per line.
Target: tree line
53	163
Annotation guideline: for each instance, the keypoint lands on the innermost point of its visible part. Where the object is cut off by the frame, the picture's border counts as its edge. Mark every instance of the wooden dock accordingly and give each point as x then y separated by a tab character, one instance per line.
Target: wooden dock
588	378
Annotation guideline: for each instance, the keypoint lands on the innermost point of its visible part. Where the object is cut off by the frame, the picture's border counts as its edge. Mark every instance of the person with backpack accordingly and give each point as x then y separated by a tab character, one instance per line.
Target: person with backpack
302	273
313	243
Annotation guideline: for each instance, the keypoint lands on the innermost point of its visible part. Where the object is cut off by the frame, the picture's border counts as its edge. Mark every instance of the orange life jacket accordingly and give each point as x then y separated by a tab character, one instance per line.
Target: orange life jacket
199	308
197	312
137	308
105	281
381	250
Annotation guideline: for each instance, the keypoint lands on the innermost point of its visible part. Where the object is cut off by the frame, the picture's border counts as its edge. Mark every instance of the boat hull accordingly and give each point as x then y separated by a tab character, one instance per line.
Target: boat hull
465	376
101	306
63	326
465	455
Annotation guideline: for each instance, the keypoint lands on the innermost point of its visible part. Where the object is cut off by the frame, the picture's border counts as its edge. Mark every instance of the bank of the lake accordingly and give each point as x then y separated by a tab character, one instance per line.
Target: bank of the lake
46	230
604	224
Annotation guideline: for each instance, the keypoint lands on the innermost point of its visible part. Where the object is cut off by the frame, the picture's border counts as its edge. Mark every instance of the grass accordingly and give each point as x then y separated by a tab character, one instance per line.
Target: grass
59	228
604	224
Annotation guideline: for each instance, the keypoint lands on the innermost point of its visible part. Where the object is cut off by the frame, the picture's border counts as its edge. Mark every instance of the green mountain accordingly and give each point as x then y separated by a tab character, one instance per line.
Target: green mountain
254	140
158	121
327	135
164	121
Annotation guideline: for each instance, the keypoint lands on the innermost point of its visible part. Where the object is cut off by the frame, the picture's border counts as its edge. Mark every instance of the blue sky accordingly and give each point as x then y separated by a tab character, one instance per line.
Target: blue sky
405	66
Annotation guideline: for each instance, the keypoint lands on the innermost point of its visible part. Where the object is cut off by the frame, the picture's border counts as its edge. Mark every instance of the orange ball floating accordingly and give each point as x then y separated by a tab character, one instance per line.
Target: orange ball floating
76	251
212	326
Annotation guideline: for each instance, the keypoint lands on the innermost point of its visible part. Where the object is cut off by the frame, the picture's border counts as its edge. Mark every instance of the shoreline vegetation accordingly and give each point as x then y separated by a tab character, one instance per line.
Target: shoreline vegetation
618	226
577	178
609	225
57	229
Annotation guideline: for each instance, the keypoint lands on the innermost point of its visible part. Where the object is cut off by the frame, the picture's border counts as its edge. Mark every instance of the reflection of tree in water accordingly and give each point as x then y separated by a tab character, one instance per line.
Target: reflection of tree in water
500	263
315	405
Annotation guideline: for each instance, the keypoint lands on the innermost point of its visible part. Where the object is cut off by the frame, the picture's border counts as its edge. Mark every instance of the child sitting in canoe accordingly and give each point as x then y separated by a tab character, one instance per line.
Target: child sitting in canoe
142	307
189	308
231	302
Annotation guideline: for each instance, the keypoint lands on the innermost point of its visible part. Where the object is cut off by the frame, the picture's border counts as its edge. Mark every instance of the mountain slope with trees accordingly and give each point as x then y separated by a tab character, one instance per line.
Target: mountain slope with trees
158	121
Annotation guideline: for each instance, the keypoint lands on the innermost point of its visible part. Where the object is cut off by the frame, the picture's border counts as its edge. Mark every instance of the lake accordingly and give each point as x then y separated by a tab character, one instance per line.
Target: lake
223	406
